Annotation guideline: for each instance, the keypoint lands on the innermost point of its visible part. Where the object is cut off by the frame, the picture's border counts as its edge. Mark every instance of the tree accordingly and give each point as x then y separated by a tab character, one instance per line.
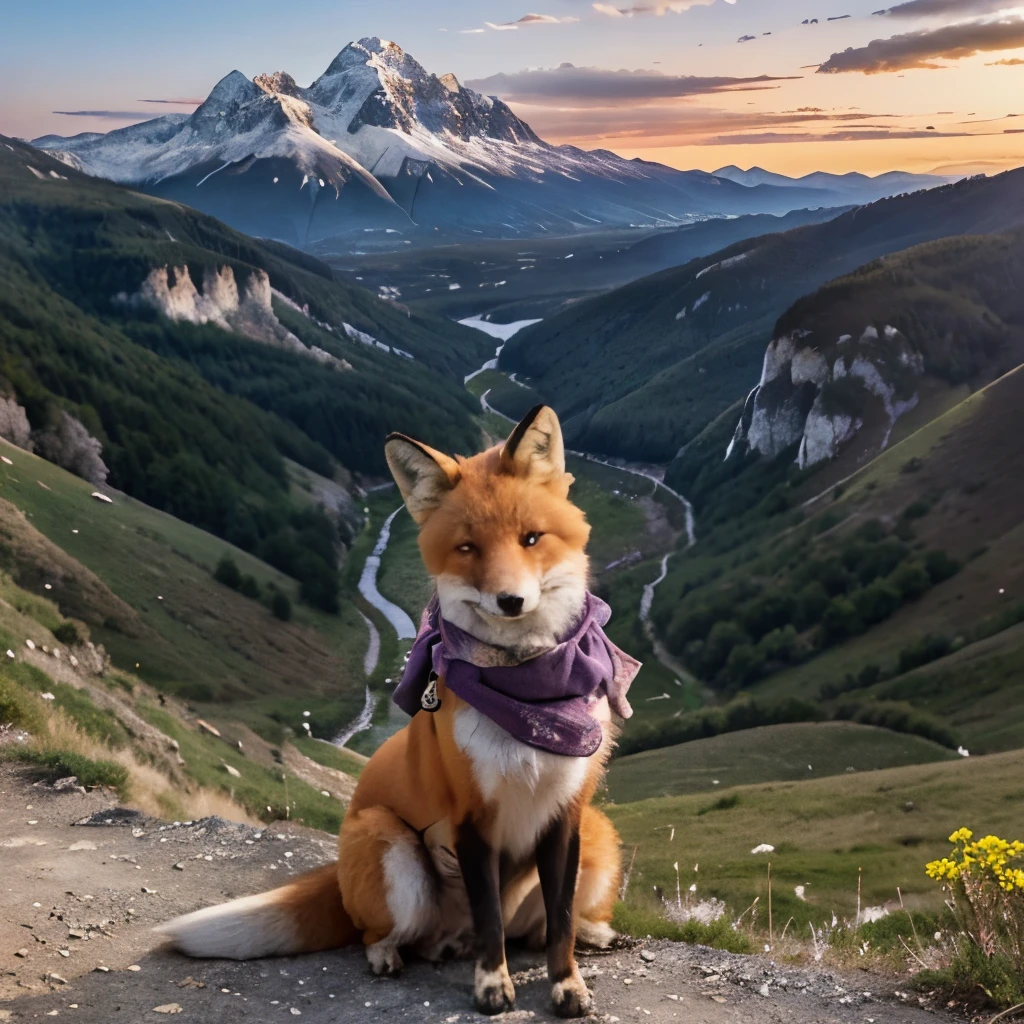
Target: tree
744	665
911	579
877	601
811	603
940	567
227	572
840	621
280	606
249	587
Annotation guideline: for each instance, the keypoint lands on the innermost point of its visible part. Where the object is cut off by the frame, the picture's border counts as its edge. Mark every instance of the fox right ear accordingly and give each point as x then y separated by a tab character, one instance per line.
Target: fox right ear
423	475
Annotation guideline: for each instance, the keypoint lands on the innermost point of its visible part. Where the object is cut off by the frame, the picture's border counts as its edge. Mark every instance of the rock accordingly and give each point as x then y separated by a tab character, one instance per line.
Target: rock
647	956
167	1008
22	953
764	990
231	770
207	728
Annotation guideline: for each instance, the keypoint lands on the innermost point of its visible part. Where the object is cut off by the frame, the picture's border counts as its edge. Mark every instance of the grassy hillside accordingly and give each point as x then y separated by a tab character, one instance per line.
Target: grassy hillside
667	354
886	824
192	418
902	586
143	582
776	753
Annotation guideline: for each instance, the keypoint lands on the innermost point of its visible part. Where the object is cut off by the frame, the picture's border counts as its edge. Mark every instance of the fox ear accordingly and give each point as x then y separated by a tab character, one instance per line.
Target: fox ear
535	448
423	475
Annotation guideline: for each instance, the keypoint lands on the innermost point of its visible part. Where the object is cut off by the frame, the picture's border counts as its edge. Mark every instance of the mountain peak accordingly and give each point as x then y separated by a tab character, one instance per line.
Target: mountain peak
234	88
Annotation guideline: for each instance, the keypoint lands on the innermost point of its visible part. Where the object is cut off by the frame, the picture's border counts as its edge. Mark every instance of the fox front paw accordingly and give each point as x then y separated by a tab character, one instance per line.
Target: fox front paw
570	997
384	958
493	991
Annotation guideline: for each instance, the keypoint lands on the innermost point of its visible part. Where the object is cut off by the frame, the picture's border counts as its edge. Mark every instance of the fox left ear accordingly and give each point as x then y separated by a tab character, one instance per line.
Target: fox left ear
423	475
535	448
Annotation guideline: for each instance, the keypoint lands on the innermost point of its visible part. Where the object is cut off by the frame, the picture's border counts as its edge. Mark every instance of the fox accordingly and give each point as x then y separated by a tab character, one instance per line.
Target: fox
475	823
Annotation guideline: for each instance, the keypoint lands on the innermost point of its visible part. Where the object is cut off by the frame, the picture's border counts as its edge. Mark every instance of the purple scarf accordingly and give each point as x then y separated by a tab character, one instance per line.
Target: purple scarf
545	702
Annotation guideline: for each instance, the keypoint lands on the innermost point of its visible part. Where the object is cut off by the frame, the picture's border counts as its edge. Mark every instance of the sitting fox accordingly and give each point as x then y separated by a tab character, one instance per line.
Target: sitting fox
474	823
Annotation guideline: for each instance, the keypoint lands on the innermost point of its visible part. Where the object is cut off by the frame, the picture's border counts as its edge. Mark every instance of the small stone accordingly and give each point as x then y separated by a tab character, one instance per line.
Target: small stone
22	953
134	967
296	1013
764	990
56	978
64	952
168	1008
719	999
647	956
101	969
179	866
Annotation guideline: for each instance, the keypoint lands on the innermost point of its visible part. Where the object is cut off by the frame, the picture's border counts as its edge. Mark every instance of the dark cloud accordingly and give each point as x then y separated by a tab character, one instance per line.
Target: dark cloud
590	86
922	49
954	8
114	115
746	39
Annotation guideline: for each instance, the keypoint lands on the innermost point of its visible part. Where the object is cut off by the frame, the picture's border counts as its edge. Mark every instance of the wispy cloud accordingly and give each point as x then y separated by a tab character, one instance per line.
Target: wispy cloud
764	138
114	115
1012	62
954	8
668	125
526	21
921	49
179	103
657	7
590	86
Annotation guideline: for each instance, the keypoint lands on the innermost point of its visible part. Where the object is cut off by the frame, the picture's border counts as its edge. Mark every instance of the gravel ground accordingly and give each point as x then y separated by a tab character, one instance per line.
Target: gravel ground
83	882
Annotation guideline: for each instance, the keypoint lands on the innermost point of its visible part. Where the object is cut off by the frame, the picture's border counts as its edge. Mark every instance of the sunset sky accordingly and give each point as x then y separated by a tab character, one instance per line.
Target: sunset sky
926	85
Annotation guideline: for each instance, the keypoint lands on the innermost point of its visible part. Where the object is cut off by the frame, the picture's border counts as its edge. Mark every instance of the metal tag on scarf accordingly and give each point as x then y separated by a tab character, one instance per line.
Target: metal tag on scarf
430	700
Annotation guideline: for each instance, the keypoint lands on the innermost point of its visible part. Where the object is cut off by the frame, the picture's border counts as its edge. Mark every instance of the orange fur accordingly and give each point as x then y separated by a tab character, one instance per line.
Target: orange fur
498	523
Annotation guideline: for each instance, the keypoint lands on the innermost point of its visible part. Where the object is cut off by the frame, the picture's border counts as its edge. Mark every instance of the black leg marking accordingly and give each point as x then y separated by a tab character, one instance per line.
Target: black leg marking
558	861
479	863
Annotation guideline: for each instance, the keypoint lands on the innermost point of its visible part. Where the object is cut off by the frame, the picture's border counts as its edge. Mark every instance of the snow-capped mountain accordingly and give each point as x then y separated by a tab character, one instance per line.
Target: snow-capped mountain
377	142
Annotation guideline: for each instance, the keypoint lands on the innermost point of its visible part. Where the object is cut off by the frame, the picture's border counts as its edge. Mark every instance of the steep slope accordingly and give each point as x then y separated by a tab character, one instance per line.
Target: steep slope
379	143
200	360
669	353
895	593
850	360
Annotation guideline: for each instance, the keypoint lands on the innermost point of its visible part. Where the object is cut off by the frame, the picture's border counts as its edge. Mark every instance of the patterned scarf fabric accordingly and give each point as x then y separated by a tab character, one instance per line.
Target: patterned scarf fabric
546	701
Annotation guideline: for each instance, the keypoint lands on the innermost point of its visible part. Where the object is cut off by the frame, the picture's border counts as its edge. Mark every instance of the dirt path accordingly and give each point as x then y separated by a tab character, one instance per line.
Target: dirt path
83	884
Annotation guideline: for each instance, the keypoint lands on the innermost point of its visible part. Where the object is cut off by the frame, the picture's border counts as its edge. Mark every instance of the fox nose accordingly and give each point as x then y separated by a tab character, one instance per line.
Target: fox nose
510	604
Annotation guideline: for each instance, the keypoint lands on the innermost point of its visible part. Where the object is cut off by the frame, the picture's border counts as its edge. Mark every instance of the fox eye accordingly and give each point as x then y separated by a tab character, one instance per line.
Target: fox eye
466	549
530	539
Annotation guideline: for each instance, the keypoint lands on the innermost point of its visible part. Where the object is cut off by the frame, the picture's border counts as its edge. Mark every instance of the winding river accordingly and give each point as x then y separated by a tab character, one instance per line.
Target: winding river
403	626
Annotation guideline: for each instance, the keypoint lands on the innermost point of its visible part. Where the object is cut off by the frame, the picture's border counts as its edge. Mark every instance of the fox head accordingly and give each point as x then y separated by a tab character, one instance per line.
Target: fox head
498	533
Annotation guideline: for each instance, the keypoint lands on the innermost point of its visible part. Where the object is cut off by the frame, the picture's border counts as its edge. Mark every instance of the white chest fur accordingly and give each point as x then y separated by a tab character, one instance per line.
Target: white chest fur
525	786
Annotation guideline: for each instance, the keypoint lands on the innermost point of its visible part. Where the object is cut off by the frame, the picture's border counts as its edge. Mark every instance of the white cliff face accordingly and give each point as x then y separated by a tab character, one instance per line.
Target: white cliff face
249	312
823	434
789	406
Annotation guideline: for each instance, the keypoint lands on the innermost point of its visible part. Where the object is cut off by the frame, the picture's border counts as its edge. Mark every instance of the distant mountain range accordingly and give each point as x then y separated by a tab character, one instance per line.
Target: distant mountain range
668	354
852	188
379	144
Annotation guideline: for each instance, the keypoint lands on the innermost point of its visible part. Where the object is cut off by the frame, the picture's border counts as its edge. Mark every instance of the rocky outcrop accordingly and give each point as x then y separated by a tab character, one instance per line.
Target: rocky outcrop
14	425
73	448
815	395
248	311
